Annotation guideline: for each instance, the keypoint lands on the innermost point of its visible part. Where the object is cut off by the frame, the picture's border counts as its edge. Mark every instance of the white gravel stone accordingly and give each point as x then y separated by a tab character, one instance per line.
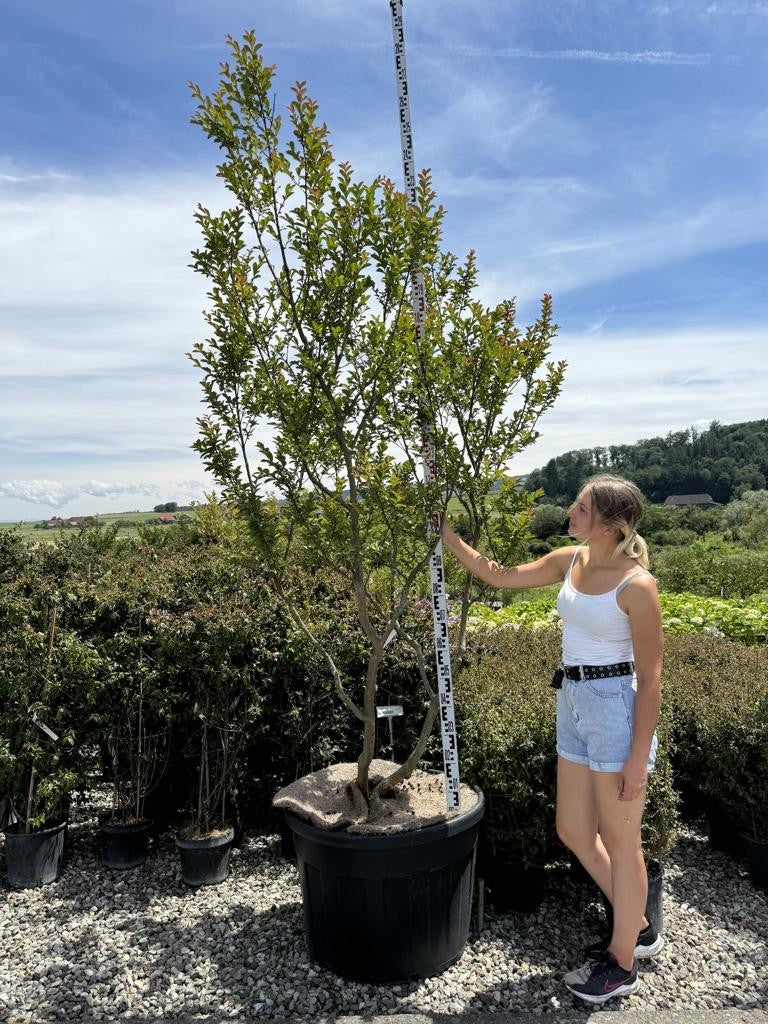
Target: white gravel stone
141	944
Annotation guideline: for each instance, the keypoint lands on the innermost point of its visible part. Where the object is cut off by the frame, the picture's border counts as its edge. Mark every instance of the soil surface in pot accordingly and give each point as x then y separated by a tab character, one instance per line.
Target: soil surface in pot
329	799
107	819
190	832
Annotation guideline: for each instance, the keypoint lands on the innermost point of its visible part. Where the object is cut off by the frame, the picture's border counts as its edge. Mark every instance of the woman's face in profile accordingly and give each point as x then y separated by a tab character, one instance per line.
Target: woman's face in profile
581	517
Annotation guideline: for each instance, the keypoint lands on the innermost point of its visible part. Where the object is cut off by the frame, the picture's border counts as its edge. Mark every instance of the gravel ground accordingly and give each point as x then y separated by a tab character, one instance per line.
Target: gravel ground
140	943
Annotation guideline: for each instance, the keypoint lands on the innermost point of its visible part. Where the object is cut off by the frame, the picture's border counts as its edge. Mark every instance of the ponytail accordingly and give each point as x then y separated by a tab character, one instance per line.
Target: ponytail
620	505
633	546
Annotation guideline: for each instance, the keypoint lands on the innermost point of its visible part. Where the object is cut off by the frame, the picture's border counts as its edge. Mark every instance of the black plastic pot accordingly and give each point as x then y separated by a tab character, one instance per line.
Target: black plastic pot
205	861
693	803
758	862
387	908
723	832
123	846
512	885
654	905
287	848
516	888
35	858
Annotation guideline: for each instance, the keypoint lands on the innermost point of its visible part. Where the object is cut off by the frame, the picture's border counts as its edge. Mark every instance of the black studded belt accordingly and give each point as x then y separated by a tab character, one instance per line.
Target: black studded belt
580	672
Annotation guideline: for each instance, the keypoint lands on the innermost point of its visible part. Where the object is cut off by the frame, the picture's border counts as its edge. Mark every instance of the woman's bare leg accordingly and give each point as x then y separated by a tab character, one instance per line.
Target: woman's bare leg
619	823
577	821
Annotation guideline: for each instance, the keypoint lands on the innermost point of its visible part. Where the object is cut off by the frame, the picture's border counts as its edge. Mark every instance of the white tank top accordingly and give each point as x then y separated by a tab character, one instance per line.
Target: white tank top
595	630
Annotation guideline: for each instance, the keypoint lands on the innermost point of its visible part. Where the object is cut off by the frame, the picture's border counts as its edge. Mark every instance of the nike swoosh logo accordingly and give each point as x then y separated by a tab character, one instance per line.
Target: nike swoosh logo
610	988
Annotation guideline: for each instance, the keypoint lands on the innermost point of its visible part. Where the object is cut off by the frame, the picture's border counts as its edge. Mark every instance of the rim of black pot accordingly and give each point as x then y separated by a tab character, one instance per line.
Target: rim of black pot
134	825
413	837
193	841
16	829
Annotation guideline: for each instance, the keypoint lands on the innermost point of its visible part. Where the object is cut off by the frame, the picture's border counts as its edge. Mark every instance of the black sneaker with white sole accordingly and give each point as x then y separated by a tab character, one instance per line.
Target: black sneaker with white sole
649	943
602	980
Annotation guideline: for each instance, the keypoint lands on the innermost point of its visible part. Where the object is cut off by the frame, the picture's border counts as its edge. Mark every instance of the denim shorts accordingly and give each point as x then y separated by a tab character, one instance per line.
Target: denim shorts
595	719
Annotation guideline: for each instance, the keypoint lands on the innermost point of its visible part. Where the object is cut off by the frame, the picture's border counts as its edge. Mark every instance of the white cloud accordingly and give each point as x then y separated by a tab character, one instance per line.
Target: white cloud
622	387
610	56
99	307
55	494
12	174
546	260
103	243
33	499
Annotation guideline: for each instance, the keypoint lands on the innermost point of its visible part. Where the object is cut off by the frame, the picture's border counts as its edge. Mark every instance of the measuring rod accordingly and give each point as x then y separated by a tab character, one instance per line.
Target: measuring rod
419	305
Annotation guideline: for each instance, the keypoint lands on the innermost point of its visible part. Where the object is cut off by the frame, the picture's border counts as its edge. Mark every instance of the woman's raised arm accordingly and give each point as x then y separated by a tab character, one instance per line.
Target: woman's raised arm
551	568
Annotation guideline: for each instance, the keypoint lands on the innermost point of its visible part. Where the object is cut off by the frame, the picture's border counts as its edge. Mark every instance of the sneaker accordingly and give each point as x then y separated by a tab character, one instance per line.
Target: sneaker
603	980
649	943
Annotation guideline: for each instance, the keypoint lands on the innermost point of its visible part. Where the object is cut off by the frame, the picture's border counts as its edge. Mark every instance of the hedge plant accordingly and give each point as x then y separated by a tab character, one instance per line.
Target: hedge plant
44	669
718	694
506	728
712	729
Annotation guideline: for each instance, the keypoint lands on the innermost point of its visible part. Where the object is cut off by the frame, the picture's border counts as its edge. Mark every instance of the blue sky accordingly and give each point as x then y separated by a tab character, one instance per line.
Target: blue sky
612	153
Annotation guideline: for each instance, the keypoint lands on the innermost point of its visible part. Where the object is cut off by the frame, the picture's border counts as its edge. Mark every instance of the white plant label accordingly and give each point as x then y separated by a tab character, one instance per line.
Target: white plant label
44	727
389	710
419	305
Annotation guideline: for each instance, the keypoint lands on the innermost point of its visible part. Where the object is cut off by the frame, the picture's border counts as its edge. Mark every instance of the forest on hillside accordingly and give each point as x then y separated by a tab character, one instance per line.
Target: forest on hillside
722	461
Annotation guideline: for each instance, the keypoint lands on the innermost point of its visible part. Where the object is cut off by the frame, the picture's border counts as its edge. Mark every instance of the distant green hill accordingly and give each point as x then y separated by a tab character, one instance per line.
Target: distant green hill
127	521
717	461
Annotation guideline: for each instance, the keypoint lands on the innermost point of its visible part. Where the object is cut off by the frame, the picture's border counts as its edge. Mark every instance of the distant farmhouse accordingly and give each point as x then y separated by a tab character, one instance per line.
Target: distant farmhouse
691	501
56	523
64	524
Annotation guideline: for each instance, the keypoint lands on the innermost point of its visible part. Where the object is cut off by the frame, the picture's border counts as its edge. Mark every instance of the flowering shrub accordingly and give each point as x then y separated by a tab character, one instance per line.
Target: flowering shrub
743	619
536	614
711	567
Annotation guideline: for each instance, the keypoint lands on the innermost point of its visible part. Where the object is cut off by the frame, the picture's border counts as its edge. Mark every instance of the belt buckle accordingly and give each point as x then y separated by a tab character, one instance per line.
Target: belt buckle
581	673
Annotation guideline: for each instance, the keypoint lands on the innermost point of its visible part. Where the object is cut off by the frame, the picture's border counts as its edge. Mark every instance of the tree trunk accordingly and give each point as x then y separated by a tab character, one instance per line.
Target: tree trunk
369	732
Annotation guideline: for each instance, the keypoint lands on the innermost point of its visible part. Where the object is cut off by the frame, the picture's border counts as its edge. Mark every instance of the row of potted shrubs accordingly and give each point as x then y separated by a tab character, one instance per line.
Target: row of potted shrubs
164	669
36	858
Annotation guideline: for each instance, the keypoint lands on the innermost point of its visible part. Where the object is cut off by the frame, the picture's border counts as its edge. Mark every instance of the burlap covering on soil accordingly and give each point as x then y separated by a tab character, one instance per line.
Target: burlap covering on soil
328	799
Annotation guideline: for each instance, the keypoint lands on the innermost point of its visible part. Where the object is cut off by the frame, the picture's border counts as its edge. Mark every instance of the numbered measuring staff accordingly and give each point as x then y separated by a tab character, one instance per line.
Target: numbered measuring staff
419	306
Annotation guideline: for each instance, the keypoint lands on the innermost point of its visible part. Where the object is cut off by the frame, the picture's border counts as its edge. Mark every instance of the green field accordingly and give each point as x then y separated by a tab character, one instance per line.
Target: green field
28	528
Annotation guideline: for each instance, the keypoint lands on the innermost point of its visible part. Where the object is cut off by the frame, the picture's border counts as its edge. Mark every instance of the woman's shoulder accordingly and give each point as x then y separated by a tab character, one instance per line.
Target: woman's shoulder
565	555
638	580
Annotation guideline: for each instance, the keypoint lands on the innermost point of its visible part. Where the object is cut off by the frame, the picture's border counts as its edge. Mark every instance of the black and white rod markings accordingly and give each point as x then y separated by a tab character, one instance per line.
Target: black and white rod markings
419	304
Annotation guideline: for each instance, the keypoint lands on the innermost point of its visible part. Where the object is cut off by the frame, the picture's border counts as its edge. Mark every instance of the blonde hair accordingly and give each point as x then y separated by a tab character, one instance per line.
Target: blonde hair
619	503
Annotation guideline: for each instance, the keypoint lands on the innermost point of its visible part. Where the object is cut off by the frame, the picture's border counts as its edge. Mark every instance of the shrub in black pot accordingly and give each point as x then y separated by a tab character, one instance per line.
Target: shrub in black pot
223	667
740	735
44	671
507	721
720	715
131	714
319	347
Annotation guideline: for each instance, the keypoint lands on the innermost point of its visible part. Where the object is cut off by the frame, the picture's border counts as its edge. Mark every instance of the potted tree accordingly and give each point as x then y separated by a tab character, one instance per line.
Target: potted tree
215	651
319	394
41	667
131	716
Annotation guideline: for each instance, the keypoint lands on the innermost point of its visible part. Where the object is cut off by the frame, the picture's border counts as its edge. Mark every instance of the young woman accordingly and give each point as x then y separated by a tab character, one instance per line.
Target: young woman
608	699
